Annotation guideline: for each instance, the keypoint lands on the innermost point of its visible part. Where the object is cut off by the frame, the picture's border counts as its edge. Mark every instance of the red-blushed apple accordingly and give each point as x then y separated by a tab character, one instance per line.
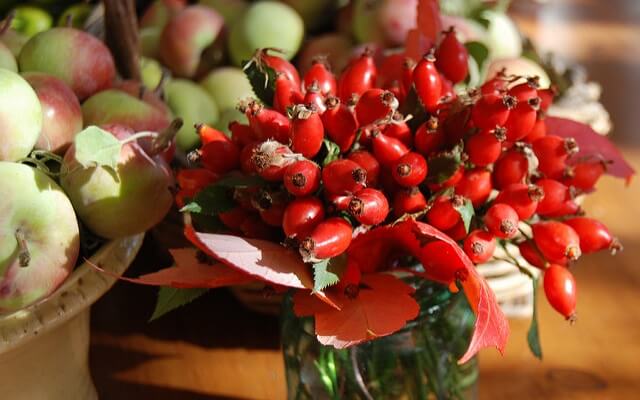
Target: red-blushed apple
7	60
153	22
39	236
20	117
385	22
160	12
193	104
61	112
138	90
116	203
13	40
118	107
82	61
336	47
187	35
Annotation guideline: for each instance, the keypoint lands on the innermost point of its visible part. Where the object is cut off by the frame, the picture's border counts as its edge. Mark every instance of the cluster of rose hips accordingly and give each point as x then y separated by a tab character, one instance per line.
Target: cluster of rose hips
487	148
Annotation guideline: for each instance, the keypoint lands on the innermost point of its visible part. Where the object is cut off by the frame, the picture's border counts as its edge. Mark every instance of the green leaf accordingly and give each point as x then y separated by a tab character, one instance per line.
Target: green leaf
96	147
211	200
262	79
442	166
328	272
170	298
466	213
533	337
478	51
333	152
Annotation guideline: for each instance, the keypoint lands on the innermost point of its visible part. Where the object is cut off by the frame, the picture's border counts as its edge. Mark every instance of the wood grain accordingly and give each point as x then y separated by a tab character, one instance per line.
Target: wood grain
215	349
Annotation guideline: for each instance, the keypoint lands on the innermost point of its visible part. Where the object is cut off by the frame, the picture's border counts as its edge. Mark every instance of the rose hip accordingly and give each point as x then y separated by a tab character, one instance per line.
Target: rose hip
340	123
359	76
443	214
302	178
369	163
502	221
375	104
306	132
427	82
409	170
560	290
479	246
556	241
343	177
594	235
521	197
369	206
328	239
301	216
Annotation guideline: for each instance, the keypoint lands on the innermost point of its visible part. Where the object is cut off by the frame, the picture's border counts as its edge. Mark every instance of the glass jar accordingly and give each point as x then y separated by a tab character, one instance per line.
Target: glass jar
417	362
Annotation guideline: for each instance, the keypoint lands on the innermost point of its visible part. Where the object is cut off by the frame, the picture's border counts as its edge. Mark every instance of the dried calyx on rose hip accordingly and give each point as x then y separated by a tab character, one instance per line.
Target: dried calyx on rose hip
333	156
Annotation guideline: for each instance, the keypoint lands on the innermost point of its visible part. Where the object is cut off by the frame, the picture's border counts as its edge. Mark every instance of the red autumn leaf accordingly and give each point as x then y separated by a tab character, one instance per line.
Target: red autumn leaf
383	305
491	327
264	260
373	250
189	273
429	23
591	144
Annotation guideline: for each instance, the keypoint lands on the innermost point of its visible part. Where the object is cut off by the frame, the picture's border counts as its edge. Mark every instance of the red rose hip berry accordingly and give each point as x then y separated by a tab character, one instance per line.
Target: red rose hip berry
409	170
343	177
302	178
329	238
502	221
557	241
479	246
301	216
369	206
560	290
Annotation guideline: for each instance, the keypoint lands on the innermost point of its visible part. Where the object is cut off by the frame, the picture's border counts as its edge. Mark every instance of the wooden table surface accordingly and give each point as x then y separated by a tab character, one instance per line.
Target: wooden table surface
216	349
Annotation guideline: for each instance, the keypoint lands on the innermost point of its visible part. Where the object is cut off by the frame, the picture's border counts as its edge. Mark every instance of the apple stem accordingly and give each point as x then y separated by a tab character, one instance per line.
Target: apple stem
139	135
163	140
24	256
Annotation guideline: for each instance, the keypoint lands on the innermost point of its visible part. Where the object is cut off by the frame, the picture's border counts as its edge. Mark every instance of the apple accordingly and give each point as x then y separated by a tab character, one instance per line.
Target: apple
20	116
503	37
521	66
128	200
385	22
336	47
30	20
62	116
227	116
75	15
152	72
79	59
187	35
230	10
149	42
142	92
13	40
190	102
266	24
160	12
39	236
114	106
227	86
7	60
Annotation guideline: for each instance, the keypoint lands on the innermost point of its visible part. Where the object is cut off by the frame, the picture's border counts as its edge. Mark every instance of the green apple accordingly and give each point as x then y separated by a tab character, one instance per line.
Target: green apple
76	15
30	20
227	86
193	104
151	72
227	116
266	24
128	200
39	236
231	10
7	60
118	107
20	116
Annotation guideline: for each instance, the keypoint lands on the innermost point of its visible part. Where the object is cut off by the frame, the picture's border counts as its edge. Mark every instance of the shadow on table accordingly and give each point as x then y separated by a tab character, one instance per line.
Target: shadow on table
216	319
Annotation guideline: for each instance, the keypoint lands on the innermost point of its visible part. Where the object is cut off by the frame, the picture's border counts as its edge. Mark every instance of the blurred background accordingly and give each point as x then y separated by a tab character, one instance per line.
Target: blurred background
216	348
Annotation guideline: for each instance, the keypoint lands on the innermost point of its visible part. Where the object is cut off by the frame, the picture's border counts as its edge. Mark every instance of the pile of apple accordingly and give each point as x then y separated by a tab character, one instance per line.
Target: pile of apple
77	149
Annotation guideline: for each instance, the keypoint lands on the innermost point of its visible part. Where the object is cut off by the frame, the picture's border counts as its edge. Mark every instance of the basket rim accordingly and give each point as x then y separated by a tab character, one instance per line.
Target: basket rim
79	291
